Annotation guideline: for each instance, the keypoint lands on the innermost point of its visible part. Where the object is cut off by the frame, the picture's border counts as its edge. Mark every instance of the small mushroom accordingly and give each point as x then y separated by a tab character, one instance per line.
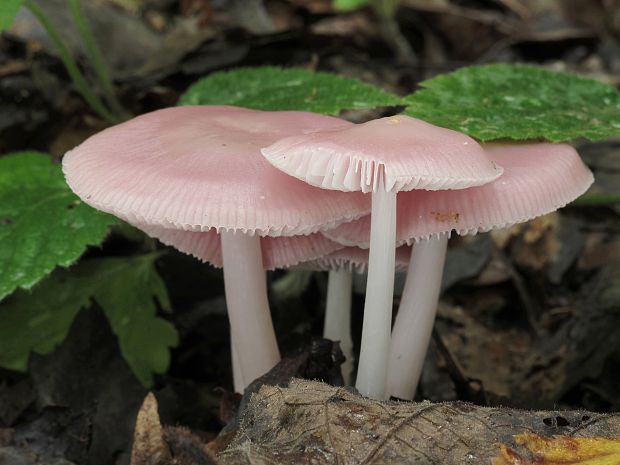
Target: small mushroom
538	179
383	156
200	169
341	265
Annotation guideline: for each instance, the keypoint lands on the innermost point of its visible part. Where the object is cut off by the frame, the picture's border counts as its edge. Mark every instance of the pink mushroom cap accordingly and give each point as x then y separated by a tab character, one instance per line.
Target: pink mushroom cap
355	259
278	252
413	154
538	179
197	168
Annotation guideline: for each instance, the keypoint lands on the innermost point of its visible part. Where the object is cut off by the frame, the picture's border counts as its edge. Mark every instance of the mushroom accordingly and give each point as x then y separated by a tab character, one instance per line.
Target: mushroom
341	265
200	169
538	179
277	252
382	156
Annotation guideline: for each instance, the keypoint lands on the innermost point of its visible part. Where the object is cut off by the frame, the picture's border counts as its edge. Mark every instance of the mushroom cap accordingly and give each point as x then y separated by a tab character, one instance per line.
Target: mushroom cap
278	252
355	259
411	153
537	179
196	168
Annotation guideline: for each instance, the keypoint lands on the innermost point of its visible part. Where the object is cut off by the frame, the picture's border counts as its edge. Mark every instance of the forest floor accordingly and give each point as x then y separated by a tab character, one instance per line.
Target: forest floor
529	316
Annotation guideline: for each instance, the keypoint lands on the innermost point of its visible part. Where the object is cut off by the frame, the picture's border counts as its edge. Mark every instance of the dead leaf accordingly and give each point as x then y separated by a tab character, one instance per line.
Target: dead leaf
149	447
313	423
157	445
560	450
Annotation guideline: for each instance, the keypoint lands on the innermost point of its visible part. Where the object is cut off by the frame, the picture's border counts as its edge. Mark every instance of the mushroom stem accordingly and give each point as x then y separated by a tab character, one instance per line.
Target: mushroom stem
238	382
248	307
414	321
337	326
375	346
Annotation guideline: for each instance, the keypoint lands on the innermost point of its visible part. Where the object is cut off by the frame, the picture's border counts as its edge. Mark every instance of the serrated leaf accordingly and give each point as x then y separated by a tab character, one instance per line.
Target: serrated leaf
518	102
125	288
42	223
271	88
8	11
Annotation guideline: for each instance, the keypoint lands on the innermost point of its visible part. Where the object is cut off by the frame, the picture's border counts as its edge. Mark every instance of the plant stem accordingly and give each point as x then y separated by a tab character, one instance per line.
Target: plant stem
248	307
372	369
94	54
76	75
390	30
414	322
597	200
337	326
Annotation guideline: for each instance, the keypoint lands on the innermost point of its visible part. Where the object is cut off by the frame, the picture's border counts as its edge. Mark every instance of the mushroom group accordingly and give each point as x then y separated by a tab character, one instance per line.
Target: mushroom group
194	177
251	190
538	178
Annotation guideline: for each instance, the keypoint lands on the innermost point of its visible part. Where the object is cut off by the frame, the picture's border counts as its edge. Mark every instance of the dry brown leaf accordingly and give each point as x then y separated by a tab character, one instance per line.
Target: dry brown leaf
149	447
313	423
560	450
157	445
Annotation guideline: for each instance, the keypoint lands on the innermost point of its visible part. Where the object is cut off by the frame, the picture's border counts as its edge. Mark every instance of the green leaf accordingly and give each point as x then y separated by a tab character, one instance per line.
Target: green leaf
42	223
125	288
271	88
8	11
348	5
518	102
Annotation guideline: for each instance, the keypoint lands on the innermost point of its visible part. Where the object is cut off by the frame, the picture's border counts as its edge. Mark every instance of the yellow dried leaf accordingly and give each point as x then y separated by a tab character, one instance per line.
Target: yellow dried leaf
560	450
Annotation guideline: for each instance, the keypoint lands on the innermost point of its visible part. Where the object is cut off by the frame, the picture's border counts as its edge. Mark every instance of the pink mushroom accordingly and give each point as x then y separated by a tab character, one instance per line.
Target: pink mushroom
277	252
383	156
200	169
341	265
537	179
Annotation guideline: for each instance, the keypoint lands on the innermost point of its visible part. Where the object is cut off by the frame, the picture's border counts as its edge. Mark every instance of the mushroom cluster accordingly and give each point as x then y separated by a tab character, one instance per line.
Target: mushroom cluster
538	178
250	190
194	178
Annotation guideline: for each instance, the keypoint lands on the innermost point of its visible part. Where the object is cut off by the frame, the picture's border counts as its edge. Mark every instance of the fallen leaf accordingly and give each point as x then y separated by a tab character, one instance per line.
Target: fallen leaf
157	445
313	423
149	447
560	450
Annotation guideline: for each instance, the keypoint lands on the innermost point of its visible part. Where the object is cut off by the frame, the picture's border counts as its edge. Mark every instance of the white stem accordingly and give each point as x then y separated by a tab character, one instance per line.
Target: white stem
372	368
337	326
248	308
416	316
238	382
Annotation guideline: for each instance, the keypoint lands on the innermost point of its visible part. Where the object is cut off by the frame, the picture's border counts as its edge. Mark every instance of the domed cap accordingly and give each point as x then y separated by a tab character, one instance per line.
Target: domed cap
412	153
196	168
355	259
537	179
278	252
